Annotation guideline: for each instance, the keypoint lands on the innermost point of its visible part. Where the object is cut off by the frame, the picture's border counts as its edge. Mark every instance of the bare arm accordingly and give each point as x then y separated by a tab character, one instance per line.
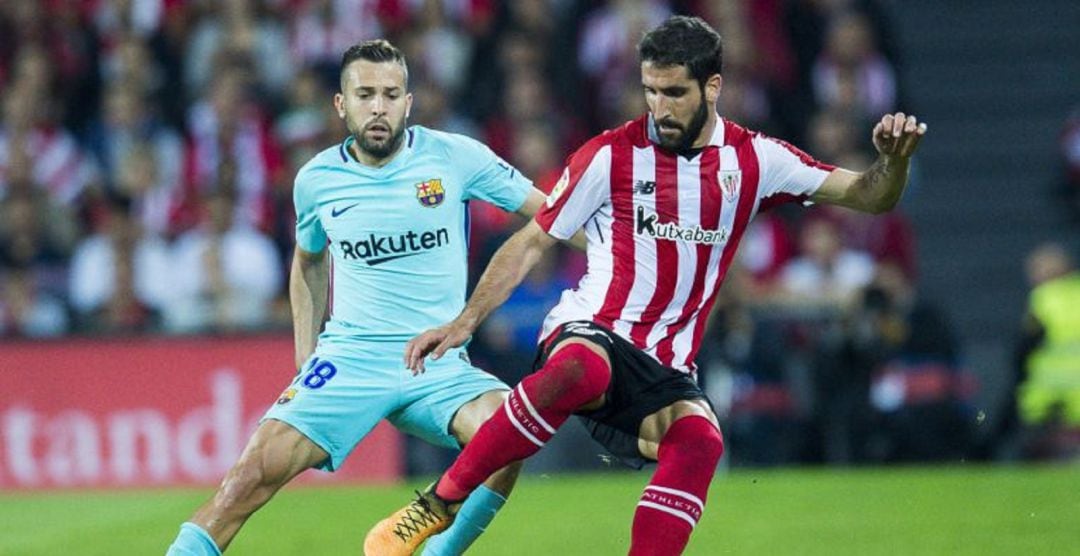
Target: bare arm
532	205
506	270
309	287
879	188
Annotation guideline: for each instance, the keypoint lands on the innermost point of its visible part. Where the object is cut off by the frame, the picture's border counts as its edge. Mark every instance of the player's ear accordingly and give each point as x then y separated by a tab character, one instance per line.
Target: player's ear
408	104
712	88
339	105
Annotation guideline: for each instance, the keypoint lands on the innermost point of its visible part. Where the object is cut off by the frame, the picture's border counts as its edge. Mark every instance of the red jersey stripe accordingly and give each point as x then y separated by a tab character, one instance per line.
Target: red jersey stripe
622	234
667	253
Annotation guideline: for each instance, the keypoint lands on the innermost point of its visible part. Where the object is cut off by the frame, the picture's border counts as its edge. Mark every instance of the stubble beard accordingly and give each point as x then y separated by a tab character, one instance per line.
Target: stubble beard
380	149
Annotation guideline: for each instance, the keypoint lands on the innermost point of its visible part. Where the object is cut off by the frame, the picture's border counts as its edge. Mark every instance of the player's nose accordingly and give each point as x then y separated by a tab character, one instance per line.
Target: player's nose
662	108
378	106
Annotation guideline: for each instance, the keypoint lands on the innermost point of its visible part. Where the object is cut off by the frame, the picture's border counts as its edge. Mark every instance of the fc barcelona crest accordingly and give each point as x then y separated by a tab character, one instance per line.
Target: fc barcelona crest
430	193
730	180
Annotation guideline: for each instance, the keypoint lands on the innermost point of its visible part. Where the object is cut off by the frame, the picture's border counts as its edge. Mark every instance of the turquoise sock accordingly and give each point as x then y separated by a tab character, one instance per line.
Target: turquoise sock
193	541
473	517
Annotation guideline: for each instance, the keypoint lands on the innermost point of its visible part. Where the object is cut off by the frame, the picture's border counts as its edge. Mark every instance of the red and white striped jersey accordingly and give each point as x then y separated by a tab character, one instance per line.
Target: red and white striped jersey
662	229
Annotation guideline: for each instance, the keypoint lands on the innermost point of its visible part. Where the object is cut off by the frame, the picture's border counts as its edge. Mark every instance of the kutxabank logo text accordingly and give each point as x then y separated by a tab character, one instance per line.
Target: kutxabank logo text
647	223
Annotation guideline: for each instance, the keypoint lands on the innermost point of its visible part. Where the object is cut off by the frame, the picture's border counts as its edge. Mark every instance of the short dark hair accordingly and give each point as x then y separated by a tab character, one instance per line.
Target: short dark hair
377	50
685	41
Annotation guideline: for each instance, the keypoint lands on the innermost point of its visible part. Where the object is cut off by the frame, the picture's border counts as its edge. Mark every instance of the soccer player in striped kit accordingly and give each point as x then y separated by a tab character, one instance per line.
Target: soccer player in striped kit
664	201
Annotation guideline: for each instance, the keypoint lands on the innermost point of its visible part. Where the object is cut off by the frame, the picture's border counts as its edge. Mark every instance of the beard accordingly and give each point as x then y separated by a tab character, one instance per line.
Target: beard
384	148
688	134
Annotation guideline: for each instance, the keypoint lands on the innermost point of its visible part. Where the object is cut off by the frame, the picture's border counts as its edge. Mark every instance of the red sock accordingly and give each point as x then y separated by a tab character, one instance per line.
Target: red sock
673	501
572	377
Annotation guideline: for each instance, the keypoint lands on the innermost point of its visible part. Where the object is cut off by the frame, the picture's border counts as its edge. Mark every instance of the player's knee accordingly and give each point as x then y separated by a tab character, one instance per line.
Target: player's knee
694	439
711	445
238	489
579	373
248	485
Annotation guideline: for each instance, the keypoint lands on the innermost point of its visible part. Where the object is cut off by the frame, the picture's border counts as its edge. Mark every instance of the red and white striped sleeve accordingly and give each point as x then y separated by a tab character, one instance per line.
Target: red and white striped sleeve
583	188
787	173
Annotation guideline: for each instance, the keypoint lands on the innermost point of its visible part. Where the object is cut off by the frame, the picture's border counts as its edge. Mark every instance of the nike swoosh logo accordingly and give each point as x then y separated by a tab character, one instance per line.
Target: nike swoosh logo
334	213
381	260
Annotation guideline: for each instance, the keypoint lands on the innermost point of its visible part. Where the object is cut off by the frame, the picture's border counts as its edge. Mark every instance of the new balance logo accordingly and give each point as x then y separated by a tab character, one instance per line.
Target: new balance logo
642	187
647	224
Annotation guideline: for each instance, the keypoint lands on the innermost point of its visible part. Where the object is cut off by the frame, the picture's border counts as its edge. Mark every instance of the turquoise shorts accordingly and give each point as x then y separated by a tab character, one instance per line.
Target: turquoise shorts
340	395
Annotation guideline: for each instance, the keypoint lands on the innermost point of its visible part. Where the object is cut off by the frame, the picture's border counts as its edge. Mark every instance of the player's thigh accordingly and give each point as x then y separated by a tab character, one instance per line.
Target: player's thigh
434	398
336	399
656	425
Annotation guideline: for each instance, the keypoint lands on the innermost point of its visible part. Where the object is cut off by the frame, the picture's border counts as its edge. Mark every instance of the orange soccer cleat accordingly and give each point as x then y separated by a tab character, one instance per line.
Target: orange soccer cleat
405	530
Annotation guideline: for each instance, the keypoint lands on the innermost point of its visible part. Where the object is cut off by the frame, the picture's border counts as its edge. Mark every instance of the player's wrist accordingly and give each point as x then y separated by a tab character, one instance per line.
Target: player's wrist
892	160
467	321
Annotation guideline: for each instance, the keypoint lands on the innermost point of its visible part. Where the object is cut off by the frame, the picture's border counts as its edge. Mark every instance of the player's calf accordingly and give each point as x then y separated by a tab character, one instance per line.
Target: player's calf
672	503
275	454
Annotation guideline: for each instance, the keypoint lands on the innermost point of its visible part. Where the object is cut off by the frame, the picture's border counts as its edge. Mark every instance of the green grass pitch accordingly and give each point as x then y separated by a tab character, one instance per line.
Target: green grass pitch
958	510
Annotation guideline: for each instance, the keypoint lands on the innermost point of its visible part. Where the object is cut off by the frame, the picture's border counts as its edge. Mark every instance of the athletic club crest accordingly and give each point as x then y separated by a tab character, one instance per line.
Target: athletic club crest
430	193
730	180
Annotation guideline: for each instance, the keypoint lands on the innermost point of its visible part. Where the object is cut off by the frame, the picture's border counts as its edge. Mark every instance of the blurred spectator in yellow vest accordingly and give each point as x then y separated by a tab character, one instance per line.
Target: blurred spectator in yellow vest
1048	397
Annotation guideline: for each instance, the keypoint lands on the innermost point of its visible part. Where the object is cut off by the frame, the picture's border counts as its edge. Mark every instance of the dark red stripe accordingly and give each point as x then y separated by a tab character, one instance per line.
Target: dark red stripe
576	166
667	251
622	234
330	288
748	164
711	207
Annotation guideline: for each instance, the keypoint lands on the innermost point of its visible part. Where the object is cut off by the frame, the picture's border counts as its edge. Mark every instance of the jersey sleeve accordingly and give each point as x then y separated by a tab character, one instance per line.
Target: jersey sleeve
490	178
310	235
583	188
787	173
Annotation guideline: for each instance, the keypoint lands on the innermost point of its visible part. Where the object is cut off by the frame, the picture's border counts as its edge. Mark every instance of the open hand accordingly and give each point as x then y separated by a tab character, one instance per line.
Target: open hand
898	135
434	342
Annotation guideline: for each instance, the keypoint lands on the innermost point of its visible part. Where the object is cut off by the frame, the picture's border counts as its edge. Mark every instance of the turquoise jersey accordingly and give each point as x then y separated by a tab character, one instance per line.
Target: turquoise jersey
398	235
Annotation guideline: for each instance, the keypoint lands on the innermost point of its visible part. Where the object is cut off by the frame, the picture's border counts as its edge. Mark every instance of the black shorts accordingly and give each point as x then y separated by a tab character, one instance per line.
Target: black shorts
639	387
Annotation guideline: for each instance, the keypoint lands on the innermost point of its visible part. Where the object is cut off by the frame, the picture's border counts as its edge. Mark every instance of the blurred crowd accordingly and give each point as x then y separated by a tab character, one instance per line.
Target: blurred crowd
147	149
1045	383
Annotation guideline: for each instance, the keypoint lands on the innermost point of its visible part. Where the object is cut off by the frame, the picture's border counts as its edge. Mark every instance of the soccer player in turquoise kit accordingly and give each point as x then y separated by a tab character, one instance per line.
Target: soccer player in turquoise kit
390	205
